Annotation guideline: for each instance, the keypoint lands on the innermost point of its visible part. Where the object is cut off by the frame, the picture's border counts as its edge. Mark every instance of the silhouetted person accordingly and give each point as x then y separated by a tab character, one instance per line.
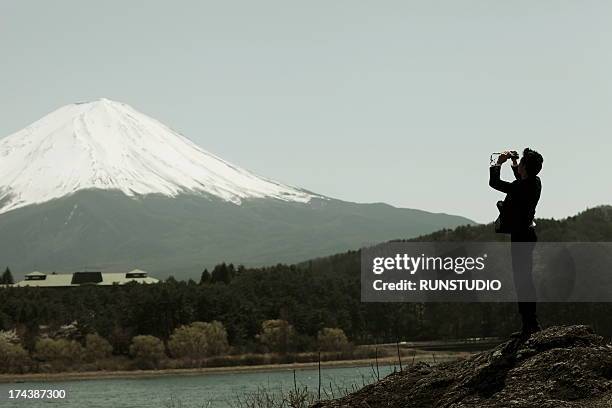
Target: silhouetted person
516	218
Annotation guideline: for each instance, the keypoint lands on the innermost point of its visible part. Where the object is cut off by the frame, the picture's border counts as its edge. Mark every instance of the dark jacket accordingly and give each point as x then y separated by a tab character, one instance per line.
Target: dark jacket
522	196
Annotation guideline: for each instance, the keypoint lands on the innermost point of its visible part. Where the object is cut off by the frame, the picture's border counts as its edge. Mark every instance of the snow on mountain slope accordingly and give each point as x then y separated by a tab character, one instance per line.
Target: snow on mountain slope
109	145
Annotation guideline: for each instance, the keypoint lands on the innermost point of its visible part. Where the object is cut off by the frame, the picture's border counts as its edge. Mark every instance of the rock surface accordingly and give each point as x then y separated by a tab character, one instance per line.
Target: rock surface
563	366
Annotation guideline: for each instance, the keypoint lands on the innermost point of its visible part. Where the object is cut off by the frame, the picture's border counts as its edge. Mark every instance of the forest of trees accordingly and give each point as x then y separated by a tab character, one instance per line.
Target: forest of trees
310	297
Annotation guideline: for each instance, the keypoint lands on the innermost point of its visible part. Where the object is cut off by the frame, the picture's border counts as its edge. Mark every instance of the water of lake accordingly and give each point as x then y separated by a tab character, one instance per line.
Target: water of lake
209	390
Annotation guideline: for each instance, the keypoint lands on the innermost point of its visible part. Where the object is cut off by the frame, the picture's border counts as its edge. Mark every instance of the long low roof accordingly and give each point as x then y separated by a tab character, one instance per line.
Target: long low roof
66	279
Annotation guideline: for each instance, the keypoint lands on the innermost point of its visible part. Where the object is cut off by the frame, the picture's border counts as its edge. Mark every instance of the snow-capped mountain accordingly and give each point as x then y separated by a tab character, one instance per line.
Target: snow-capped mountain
99	185
109	145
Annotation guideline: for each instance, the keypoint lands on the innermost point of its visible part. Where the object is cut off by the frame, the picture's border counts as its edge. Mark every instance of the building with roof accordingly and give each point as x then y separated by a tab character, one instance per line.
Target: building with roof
60	280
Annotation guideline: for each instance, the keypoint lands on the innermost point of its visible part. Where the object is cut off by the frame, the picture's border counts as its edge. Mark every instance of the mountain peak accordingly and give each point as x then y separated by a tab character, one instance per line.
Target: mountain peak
105	144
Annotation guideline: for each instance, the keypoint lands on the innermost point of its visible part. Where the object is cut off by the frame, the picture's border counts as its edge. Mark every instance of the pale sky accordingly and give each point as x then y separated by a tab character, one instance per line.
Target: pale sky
369	101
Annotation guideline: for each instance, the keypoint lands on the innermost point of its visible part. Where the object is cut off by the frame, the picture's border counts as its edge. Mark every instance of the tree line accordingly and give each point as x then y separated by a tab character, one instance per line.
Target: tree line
193	345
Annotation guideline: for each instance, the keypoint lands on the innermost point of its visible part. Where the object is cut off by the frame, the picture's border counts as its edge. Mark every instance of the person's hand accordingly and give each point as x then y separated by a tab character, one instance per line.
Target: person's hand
503	157
514	159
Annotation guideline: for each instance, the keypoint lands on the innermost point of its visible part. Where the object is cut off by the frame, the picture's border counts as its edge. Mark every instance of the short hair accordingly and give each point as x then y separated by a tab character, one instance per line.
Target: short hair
532	161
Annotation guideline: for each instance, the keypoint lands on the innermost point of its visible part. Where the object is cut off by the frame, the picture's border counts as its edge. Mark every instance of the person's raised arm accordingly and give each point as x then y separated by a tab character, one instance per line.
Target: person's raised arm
494	176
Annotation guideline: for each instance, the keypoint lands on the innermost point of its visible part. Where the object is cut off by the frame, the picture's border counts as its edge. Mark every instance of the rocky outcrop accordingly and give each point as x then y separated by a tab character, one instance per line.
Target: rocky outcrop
558	367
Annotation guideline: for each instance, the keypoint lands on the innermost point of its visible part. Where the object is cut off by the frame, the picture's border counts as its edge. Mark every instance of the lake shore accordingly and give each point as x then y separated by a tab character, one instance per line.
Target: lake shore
97	375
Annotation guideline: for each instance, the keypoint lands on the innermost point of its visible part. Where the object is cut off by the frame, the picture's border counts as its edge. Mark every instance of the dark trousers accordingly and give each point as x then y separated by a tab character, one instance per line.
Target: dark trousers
522	246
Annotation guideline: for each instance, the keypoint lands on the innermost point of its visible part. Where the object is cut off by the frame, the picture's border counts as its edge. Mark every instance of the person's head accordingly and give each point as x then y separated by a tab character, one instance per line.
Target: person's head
530	164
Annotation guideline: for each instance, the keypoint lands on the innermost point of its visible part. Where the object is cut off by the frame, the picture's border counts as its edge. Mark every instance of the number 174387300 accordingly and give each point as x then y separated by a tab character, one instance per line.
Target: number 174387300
36	394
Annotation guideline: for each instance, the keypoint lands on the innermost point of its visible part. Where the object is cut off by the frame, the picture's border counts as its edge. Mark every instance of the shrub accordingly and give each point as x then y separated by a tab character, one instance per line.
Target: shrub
276	335
13	358
217	338
60	350
60	353
199	340
332	339
148	351
189	341
97	348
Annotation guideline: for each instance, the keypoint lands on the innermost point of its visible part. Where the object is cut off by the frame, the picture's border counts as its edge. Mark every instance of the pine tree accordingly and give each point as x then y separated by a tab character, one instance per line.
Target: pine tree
222	273
7	277
205	278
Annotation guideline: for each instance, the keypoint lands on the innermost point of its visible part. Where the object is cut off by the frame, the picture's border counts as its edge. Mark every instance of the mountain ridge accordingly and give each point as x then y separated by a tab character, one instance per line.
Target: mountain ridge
179	236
